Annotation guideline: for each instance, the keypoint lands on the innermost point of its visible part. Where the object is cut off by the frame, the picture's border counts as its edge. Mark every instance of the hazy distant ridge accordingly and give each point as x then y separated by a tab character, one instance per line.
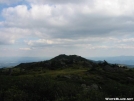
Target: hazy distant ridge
13	61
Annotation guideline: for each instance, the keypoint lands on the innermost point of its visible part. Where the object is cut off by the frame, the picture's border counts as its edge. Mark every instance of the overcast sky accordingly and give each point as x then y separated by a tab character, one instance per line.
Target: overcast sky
46	28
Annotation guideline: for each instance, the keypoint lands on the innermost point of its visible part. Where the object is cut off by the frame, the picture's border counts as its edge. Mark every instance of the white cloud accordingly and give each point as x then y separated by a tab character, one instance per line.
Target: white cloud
16	13
40	12
11	35
128	40
124	46
71	19
88	24
114	7
39	42
53	2
87	43
25	49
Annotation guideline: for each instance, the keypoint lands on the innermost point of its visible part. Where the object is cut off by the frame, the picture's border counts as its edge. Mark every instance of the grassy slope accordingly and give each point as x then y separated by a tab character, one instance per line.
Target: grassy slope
68	84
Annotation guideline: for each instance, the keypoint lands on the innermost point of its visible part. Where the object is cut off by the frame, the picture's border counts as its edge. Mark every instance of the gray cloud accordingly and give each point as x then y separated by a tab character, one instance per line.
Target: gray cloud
57	1
62	23
89	24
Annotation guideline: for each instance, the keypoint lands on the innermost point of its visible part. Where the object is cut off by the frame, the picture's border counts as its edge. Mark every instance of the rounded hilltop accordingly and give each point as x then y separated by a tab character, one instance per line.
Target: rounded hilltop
69	57
60	61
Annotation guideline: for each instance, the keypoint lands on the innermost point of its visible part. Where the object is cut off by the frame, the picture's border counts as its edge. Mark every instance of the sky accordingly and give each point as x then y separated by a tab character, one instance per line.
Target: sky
46	28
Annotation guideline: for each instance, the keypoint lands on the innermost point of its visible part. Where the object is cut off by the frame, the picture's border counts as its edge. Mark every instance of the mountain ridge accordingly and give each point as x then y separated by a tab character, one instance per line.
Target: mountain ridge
60	61
66	78
63	61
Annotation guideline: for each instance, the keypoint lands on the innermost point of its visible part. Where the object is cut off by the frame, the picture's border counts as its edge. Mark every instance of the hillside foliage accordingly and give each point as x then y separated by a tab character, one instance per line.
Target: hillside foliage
66	78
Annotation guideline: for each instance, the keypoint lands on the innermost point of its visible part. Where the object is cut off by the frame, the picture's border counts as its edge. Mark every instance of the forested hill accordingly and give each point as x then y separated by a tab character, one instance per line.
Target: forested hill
61	61
66	78
69	61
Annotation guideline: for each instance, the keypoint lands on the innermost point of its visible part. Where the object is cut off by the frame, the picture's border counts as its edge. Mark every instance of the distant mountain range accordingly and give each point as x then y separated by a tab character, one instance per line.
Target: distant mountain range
69	61
13	61
124	60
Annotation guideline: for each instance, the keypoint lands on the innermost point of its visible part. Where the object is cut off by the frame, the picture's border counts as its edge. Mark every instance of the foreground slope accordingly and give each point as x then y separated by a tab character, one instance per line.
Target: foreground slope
66	78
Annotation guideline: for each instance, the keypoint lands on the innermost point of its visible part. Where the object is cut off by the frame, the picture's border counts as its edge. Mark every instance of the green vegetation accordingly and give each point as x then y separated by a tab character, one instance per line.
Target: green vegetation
66	78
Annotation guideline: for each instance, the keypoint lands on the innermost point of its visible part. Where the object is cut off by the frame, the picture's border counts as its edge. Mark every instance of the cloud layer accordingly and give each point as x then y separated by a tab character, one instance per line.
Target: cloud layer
72	27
